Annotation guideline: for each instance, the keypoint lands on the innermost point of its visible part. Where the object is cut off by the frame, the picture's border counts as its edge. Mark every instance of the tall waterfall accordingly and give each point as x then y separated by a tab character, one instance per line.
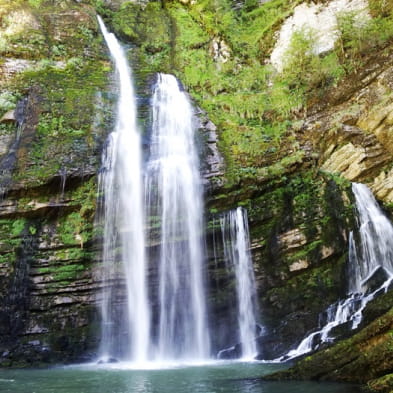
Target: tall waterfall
174	195
370	269
125	333
234	228
153	234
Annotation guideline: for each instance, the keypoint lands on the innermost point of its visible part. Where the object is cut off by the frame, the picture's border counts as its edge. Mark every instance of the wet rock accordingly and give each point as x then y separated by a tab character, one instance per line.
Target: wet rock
293	238
366	355
8	117
298	265
34	343
375	280
108	361
230	353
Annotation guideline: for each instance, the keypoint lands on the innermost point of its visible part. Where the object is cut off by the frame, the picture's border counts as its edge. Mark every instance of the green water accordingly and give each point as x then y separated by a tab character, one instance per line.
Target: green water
225	378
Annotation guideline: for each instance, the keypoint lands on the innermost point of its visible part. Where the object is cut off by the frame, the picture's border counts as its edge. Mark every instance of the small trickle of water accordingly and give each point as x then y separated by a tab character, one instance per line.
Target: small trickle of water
370	271
63	179
234	227
174	196
125	322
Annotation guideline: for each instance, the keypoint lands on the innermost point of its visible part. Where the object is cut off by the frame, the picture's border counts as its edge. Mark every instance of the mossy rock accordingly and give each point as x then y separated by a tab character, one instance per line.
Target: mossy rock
381	385
366	356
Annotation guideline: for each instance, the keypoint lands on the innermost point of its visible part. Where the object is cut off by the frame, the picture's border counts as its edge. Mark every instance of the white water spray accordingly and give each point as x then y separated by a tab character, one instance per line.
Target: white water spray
126	336
234	227
174	193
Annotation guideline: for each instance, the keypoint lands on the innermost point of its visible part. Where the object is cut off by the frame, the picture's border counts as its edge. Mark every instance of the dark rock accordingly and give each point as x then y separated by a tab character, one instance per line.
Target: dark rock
34	342
108	361
375	280
230	353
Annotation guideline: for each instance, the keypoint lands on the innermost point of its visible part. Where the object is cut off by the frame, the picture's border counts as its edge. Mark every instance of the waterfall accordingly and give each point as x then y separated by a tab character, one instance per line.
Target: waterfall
375	250
125	332
174	195
370	270
154	296
234	228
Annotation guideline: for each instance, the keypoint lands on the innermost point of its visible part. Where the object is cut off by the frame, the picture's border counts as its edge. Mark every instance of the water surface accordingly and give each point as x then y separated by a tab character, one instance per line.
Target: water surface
225	378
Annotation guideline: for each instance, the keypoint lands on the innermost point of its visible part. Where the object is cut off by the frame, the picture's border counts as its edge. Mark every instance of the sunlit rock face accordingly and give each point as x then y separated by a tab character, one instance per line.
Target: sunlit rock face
318	21
357	134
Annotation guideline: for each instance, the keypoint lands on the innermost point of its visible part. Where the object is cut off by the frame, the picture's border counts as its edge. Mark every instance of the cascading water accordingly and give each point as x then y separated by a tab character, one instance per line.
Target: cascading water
234	228
376	241
370	270
174	196
163	317
125	333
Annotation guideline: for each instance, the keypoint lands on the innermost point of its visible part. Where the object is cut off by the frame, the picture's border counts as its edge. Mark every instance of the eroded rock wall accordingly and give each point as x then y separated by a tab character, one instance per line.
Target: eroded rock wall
286	150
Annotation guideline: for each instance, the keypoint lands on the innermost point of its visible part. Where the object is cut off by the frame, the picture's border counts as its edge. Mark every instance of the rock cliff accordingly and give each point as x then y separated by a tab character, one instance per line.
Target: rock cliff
285	145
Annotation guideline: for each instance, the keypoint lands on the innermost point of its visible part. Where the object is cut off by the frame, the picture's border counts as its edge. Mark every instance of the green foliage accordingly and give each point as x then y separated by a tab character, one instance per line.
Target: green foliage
63	272
315	288
125	21
68	274
18	227
11	233
234	93
382	384
55	127
244	97
308	252
8	100
64	132
357	35
73	229
381	8
146	26
303	74
102	8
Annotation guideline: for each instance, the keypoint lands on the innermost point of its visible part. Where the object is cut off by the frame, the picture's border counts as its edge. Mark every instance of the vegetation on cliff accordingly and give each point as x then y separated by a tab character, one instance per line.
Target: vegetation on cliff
276	131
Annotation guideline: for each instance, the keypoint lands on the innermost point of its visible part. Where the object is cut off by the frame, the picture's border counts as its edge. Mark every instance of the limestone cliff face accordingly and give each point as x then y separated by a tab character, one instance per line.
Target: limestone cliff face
357	134
285	150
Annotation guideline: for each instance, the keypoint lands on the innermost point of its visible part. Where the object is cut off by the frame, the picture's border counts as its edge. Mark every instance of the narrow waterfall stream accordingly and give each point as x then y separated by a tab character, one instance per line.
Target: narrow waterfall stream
174	195
125	331
236	241
370	270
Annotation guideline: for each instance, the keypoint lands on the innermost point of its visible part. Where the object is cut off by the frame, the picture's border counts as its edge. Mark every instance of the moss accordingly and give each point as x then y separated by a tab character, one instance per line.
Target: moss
73	229
381	8
68	272
383	384
64	133
11	234
18	227
313	290
85	197
148	28
68	65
